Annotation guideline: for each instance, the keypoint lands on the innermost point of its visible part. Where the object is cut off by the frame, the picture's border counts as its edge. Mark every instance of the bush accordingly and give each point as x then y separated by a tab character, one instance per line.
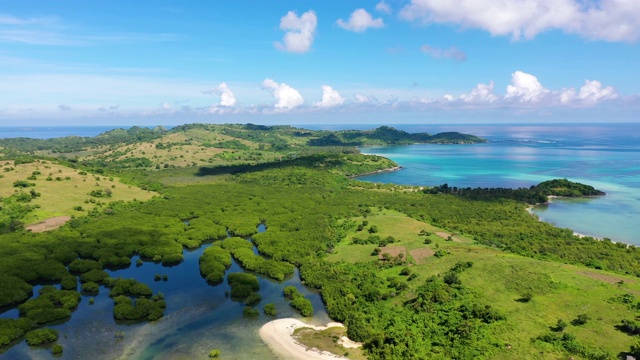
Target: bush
250	312
56	349
580	320
214	354
90	288
41	336
270	309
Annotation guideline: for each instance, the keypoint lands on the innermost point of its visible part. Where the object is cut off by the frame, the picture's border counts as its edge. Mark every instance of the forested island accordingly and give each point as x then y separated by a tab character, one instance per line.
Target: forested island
413	272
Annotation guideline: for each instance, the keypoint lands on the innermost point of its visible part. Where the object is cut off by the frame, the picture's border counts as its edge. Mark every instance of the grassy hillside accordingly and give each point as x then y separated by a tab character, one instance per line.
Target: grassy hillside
56	190
558	290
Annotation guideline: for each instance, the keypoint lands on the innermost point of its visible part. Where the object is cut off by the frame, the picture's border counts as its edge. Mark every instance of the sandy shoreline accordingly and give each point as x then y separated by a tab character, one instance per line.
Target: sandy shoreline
277	334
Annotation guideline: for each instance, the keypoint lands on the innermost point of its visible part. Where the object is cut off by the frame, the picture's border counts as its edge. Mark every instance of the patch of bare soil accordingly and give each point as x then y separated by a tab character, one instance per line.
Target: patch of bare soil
445	235
419	255
49	224
393	251
611	279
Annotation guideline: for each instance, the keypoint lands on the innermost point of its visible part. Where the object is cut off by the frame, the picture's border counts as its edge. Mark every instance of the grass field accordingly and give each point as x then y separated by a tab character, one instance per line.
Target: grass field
500	279
65	190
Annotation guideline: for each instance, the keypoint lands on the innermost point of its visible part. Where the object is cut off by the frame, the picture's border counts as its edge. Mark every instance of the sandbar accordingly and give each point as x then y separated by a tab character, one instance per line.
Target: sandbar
278	335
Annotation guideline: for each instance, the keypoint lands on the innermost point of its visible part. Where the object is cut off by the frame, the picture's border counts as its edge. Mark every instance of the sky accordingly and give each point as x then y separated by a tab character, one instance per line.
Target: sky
89	62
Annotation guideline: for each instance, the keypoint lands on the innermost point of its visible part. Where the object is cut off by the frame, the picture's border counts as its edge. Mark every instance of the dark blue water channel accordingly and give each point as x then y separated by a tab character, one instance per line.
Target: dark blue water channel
198	318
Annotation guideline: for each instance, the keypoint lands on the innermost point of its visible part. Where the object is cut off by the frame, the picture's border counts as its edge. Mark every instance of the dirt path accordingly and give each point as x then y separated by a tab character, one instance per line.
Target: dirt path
49	224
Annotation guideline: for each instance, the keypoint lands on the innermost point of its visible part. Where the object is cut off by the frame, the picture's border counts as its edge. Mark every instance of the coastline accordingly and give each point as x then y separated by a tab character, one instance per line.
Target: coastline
550	201
278	335
395	168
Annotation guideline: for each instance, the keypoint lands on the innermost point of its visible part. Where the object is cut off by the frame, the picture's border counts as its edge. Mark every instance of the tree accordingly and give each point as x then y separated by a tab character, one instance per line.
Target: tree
41	336
560	325
580	320
270	309
635	350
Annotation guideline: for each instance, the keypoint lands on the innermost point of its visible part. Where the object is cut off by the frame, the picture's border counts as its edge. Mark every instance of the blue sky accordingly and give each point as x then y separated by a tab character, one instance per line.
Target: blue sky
392	61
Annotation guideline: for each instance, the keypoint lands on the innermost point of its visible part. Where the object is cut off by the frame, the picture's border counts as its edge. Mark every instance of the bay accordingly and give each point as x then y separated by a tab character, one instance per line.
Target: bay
606	156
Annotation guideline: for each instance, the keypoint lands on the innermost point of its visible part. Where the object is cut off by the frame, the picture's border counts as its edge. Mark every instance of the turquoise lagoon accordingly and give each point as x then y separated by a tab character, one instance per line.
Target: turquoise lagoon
606	156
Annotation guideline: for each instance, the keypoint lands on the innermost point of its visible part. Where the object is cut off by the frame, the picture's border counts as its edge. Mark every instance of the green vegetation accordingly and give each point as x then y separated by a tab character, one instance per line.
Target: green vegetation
243	285
214	261
50	305
41	336
242	251
270	309
413	273
214	354
56	349
298	301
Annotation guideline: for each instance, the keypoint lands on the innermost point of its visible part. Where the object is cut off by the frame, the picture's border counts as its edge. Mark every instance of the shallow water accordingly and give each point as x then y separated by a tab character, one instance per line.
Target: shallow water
198	318
606	156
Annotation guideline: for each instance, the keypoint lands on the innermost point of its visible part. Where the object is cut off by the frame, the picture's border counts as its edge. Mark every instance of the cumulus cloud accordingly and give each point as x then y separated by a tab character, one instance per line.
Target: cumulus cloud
165	106
300	31
330	97
286	96
383	7
63	107
609	20
452	53
525	88
590	93
226	95
359	21
482	93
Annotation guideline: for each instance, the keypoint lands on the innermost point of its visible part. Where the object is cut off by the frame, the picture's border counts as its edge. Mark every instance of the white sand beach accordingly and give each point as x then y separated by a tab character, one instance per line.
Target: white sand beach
277	334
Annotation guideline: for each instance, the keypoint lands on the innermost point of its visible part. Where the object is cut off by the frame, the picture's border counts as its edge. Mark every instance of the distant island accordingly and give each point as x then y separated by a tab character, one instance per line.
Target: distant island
431	271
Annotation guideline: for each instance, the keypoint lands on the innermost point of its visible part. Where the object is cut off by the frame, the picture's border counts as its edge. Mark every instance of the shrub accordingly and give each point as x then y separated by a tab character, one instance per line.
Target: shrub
214	354
41	336
270	309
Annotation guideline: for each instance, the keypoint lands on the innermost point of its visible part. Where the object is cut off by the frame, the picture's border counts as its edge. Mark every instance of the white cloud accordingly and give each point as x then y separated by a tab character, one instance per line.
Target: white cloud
300	31
226	95
567	95
610	20
359	21
165	106
482	93
63	107
590	93
286	96
383	7
360	99
452	53
525	88
330	97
